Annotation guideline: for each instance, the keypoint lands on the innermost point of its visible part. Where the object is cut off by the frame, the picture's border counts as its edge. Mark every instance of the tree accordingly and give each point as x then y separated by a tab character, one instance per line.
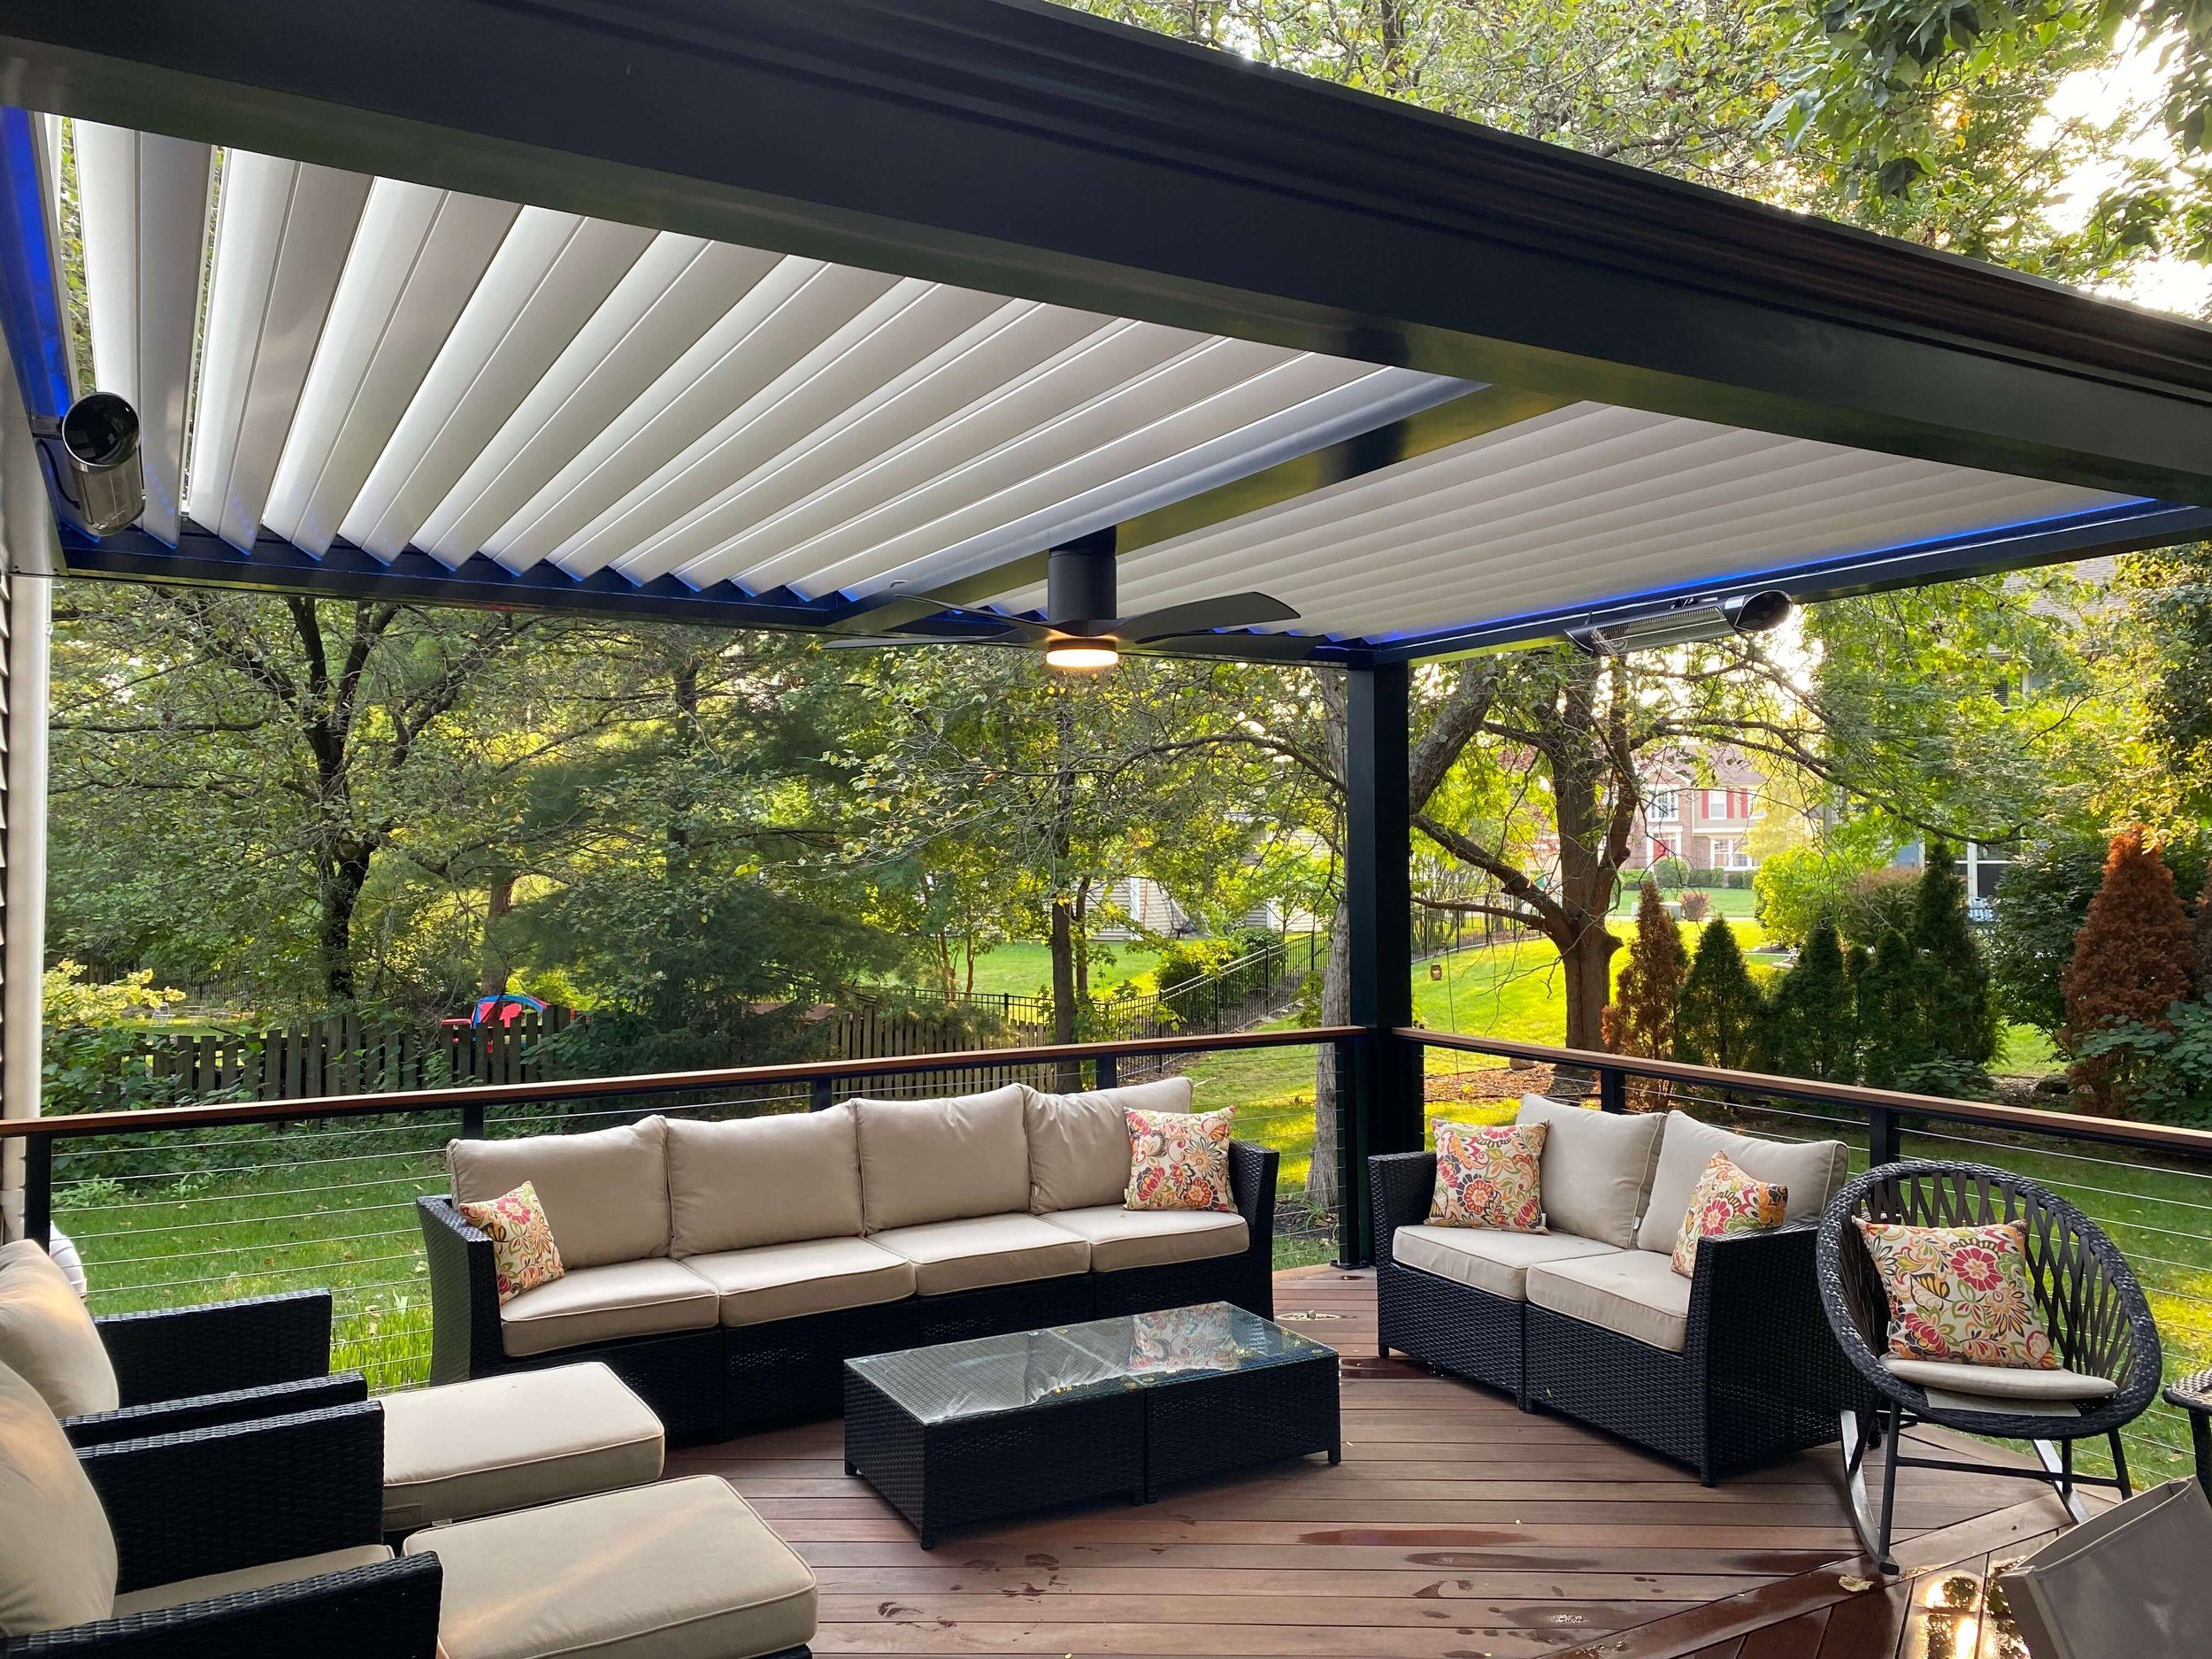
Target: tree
1719	1021
1894	1045
1957	1013
1799	885
1640	1020
1812	1025
2133	959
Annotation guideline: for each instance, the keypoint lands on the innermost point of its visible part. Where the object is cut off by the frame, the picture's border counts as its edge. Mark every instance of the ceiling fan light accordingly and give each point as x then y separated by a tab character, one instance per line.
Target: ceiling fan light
1082	657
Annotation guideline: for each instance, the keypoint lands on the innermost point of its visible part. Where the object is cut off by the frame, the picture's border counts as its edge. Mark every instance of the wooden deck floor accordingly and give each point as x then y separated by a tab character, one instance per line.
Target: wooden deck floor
1456	1528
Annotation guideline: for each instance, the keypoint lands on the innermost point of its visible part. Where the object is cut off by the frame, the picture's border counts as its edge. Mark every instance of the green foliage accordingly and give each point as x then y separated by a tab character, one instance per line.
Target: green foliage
2169	1063
67	998
1812	1028
2171	604
1893	1051
1719	1020
1671	873
1798	885
1647	997
1959	1016
1877	902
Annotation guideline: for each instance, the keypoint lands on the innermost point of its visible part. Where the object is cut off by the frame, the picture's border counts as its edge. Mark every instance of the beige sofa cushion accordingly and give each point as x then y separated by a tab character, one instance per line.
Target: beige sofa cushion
943	1160
782	1281
1812	1170
2001	1382
262	1575
1635	1293
1484	1259
1079	1144
598	1304
763	1180
950	1255
1123	1238
606	1194
46	1336
508	1443
56	1555
1597	1167
683	1570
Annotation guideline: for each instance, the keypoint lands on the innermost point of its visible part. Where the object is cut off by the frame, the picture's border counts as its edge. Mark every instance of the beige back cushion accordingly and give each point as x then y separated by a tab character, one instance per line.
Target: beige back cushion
56	1555
46	1336
1079	1144
1812	1170
943	1160
606	1194
1597	1168
763	1180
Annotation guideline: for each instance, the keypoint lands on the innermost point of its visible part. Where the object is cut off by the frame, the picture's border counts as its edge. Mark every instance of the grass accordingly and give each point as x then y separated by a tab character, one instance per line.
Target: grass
1729	901
1023	968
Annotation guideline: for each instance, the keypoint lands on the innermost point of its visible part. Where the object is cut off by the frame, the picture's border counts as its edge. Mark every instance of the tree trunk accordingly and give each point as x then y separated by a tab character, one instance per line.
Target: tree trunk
339	897
1070	1073
1586	961
1336	1010
492	970
1082	920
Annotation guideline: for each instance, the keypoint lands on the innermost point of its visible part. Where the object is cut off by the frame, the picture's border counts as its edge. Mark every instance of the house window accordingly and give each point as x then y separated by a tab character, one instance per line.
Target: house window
1729	853
1664	808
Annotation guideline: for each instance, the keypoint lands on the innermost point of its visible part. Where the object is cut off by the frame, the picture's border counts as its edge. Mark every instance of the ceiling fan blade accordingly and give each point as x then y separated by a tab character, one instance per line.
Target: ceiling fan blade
1200	616
882	642
1258	648
904	612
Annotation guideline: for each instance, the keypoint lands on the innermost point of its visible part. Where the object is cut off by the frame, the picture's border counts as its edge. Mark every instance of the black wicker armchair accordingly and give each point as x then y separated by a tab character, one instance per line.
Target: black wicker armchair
2099	1320
223	1361
235	1497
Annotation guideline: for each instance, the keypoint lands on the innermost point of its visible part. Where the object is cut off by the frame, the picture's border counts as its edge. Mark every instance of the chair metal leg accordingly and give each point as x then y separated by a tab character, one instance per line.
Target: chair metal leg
2062	1465
1859	1438
2120	1463
1889	1495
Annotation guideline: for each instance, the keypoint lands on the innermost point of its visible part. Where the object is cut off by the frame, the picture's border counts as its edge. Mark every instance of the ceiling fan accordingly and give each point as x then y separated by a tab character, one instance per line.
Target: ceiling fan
1080	630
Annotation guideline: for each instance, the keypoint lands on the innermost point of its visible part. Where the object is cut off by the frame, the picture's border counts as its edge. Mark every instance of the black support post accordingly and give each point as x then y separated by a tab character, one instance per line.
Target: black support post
1386	1105
38	1190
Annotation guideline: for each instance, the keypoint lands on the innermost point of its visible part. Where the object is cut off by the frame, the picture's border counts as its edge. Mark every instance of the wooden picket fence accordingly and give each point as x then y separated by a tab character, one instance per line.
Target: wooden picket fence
339	1055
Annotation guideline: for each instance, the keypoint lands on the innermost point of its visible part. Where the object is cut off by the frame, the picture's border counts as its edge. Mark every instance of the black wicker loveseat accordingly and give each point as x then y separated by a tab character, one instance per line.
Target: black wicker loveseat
1007	1206
1728	1368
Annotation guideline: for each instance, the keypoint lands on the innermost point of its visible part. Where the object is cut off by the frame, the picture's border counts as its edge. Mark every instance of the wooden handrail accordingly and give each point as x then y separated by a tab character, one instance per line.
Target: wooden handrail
2029	1120
404	1101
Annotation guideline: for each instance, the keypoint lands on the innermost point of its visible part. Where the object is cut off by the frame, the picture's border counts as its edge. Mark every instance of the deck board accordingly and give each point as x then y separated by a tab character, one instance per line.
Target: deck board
1456	1527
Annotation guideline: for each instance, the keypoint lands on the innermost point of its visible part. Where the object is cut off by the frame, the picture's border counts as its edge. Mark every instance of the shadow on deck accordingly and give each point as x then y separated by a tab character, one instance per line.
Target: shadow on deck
1456	1528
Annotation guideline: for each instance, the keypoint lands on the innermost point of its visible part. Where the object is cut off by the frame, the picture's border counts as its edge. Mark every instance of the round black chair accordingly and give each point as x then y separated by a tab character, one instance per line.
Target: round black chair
2097	1318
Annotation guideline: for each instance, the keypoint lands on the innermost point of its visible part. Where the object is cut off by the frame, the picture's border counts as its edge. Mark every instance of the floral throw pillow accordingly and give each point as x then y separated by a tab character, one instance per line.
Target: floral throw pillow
1961	1294
1178	1160
524	1254
1489	1175
1726	1201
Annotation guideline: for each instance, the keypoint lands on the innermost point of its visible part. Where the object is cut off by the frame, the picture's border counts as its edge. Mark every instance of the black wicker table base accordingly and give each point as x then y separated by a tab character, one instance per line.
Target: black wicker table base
964	1433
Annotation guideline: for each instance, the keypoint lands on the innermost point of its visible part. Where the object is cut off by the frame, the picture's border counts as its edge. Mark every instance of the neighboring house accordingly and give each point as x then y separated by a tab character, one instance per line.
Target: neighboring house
1700	813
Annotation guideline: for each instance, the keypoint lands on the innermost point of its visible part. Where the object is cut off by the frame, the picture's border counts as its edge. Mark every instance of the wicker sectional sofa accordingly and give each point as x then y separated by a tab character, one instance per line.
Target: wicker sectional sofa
727	1269
1728	1368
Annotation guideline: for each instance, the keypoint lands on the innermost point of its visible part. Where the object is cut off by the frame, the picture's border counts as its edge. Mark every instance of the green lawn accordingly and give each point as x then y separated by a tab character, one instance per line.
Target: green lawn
1729	901
1024	968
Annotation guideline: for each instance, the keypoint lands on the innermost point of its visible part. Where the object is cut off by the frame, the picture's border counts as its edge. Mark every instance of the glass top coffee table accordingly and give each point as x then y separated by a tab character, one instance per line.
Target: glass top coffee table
976	1431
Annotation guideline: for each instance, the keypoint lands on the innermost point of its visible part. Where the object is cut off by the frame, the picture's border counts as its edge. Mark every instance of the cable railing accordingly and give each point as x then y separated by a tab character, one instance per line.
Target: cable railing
175	1205
2149	1185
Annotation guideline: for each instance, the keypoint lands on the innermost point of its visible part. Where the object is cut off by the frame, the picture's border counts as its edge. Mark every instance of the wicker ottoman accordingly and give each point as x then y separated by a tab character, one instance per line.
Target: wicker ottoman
681	1568
512	1441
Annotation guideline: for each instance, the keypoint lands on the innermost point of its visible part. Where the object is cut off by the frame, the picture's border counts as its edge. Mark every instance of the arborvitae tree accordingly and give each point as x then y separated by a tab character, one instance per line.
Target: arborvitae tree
1958	1017
1719	1020
1812	1020
1640	1020
2133	960
1893	1048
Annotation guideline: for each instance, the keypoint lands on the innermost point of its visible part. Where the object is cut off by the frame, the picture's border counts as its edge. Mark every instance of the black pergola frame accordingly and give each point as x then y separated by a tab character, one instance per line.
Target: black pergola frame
1013	146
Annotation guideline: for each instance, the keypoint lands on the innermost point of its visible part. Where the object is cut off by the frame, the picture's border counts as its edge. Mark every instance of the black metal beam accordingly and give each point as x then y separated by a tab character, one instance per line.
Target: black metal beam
1014	147
2084	535
1378	903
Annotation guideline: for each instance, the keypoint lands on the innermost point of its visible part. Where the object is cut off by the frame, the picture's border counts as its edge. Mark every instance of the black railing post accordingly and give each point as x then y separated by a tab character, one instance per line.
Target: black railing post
821	1095
1882	1145
1612	1089
1354	1246
473	1120
1106	1070
38	1190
